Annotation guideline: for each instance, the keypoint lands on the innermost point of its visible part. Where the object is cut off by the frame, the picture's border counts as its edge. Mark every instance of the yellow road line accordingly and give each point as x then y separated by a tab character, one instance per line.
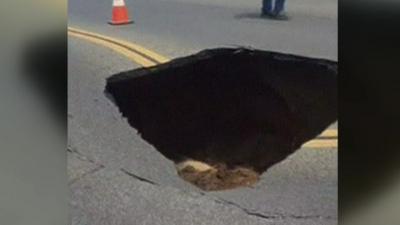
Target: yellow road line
139	54
321	144
130	55
146	58
155	56
330	133
332	142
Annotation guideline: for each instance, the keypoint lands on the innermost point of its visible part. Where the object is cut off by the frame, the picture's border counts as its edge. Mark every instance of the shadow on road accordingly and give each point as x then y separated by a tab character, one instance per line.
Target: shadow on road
254	15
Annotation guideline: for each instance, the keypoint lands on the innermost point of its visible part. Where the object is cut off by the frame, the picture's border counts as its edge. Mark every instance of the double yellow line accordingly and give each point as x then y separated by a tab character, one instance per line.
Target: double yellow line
134	52
147	58
328	139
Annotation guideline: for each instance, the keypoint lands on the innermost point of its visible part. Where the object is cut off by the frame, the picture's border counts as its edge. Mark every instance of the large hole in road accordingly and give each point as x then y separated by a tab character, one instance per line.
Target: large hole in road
225	116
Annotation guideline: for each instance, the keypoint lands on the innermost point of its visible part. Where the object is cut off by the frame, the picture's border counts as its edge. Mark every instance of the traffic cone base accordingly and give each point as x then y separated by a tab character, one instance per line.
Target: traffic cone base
120	14
120	22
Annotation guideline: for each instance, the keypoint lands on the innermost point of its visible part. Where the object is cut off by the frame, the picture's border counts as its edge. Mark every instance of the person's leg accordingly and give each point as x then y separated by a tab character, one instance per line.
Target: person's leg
279	6
266	7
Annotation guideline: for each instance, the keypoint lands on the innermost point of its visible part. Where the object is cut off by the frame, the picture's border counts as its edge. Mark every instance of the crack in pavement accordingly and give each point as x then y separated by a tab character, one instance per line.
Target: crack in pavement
84	158
217	200
249	212
271	217
98	168
138	177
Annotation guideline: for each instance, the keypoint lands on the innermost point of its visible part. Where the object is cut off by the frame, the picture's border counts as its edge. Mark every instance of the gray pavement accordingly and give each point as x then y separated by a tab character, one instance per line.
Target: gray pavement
118	178
180	27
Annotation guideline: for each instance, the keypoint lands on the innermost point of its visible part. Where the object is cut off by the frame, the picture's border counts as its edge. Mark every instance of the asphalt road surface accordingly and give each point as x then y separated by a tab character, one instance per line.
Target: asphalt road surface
118	178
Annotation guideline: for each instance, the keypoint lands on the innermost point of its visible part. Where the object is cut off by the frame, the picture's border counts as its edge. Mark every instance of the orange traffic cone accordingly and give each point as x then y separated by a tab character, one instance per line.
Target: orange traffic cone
120	13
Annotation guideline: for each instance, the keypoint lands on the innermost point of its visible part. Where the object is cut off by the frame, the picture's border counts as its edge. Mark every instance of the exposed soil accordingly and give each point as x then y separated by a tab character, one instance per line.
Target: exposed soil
219	177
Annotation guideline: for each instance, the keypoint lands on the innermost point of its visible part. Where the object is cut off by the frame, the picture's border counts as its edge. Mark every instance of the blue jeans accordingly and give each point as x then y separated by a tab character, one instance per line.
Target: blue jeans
272	7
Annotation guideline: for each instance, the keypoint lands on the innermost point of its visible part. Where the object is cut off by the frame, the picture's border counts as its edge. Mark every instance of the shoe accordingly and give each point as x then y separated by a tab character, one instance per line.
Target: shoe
281	17
267	15
275	16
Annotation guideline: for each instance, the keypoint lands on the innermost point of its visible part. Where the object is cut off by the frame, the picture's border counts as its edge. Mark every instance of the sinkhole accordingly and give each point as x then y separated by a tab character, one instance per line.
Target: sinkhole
226	115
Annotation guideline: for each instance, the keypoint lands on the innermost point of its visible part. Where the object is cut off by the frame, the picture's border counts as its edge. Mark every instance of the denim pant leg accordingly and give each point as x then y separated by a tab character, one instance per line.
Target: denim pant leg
267	6
279	6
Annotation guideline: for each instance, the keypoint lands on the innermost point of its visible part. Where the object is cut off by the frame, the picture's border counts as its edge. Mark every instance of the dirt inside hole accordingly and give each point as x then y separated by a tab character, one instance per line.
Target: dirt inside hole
225	116
217	176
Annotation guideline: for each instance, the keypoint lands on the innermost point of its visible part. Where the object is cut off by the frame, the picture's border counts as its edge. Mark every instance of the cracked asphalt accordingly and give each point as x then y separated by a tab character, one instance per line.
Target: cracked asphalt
116	178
